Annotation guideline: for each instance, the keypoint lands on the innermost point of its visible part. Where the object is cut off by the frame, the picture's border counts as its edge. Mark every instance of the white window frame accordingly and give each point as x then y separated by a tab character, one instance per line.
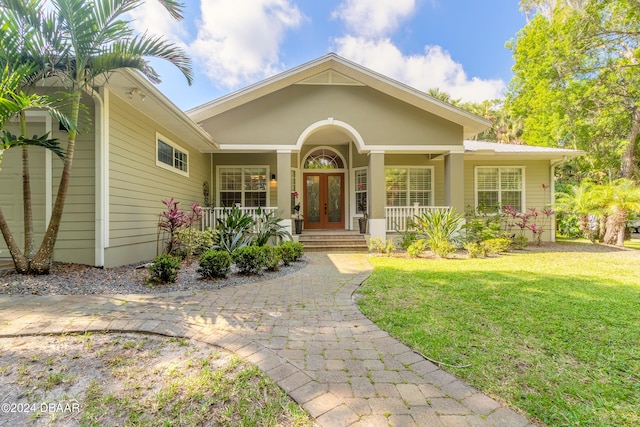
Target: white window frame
523	184
408	167
296	177
175	147
242	191
356	191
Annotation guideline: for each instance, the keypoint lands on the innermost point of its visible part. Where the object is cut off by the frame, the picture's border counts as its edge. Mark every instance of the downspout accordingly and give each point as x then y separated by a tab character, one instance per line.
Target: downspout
552	195
101	154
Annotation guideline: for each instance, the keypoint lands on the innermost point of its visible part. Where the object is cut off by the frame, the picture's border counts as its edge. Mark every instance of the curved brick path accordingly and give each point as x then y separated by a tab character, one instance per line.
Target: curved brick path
303	330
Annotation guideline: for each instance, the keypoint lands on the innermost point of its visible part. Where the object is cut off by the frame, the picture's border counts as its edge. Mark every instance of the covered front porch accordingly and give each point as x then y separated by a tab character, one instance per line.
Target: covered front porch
397	218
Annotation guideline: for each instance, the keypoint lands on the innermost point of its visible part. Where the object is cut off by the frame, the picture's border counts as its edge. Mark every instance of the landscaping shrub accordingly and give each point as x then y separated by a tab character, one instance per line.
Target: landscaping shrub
174	219
268	225
250	259
480	227
441	247
291	251
274	257
475	250
164	269
408	236
233	230
442	228
214	264
496	246
519	242
381	246
191	241
416	248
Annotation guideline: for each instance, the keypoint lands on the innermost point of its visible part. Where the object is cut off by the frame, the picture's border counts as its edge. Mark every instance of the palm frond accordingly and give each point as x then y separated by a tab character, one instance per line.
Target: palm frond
9	140
130	53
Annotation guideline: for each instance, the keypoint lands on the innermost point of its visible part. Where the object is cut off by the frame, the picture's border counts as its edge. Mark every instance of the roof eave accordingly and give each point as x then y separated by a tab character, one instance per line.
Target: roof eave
198	137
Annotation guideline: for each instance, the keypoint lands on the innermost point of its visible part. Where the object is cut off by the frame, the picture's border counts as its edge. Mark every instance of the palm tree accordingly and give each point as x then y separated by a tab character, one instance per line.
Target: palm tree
625	199
580	200
14	102
92	39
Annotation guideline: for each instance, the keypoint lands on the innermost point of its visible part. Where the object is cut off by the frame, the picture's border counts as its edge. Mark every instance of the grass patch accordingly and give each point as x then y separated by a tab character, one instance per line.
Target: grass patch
132	379
556	333
631	244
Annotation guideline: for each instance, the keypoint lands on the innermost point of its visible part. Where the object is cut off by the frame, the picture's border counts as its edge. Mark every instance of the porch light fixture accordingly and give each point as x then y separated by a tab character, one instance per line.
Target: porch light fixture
273	177
136	91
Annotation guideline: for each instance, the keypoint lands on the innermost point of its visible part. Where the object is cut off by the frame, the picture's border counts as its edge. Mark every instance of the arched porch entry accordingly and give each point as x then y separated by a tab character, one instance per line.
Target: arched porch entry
324	165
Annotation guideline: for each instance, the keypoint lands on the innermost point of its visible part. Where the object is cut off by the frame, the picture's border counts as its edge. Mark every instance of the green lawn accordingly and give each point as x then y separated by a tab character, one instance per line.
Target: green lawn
553	332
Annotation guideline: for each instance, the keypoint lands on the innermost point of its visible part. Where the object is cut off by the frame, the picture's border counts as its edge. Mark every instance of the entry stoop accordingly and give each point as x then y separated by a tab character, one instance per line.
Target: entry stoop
333	241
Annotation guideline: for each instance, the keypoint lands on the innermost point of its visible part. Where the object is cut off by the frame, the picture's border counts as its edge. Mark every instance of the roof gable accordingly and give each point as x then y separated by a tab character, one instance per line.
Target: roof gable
332	69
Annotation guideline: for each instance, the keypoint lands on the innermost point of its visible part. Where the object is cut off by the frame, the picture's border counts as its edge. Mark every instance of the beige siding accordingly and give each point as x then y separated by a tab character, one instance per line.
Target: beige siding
536	173
281	117
76	235
11	189
77	231
137	186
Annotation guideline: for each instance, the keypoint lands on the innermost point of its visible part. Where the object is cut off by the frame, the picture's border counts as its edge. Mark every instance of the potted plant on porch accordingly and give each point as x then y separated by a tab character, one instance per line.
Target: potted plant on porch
298	215
364	219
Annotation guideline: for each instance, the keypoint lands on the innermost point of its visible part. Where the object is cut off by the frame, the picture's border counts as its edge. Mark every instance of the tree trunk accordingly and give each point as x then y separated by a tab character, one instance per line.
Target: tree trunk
41	262
602	227
583	224
29	237
615	228
19	260
628	161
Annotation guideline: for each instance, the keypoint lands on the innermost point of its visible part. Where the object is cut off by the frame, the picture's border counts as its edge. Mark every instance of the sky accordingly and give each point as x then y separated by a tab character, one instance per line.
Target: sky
457	46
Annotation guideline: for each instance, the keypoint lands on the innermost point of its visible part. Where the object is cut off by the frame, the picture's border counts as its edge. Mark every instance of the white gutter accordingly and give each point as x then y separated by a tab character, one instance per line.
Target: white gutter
101	148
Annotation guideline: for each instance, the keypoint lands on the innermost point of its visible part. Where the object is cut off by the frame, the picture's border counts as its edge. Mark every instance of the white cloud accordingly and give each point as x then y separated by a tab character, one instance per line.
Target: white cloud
238	41
152	17
374	18
433	69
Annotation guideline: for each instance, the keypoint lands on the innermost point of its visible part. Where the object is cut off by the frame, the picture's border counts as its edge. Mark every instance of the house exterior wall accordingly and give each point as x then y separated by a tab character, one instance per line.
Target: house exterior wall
76	236
281	117
77	229
536	173
137	186
11	188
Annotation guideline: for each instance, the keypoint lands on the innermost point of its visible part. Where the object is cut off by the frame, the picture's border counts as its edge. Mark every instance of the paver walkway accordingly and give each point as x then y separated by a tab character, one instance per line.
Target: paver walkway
303	330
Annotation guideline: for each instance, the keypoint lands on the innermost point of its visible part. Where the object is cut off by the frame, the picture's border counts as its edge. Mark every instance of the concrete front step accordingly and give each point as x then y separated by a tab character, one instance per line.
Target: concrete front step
325	241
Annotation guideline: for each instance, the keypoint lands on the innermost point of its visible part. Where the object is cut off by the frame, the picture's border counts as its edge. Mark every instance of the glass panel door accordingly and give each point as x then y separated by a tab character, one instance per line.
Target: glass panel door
334	200
323	200
312	201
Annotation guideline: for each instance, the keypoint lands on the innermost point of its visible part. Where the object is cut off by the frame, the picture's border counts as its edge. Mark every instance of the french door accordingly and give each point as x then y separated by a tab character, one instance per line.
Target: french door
323	200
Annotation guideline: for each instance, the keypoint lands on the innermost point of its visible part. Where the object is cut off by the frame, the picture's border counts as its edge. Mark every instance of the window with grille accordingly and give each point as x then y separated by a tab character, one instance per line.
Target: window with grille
360	183
406	186
171	157
498	187
246	186
294	193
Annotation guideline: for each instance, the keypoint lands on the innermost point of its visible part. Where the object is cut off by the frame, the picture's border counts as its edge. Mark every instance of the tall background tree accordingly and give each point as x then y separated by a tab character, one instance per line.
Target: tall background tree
576	81
92	39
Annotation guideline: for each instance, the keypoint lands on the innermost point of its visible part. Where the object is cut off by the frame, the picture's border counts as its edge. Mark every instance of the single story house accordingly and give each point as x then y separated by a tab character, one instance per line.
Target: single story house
329	135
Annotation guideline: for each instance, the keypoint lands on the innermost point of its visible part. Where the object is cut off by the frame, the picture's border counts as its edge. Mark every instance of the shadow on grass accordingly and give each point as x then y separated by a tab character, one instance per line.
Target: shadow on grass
564	348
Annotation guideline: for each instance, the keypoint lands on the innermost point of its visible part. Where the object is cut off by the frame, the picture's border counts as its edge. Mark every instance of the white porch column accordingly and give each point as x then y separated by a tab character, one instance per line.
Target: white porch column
377	195
454	181
283	178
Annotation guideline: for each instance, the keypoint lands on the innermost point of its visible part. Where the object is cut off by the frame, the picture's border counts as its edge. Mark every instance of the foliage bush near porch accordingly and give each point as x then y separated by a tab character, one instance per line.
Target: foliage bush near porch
556	334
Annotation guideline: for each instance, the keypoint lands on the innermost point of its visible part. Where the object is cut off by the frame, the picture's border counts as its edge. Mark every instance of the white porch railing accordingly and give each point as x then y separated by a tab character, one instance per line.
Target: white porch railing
211	215
397	217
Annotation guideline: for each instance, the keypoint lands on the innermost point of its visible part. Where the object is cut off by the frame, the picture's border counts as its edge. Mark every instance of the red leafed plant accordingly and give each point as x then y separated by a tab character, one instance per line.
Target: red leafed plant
174	219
